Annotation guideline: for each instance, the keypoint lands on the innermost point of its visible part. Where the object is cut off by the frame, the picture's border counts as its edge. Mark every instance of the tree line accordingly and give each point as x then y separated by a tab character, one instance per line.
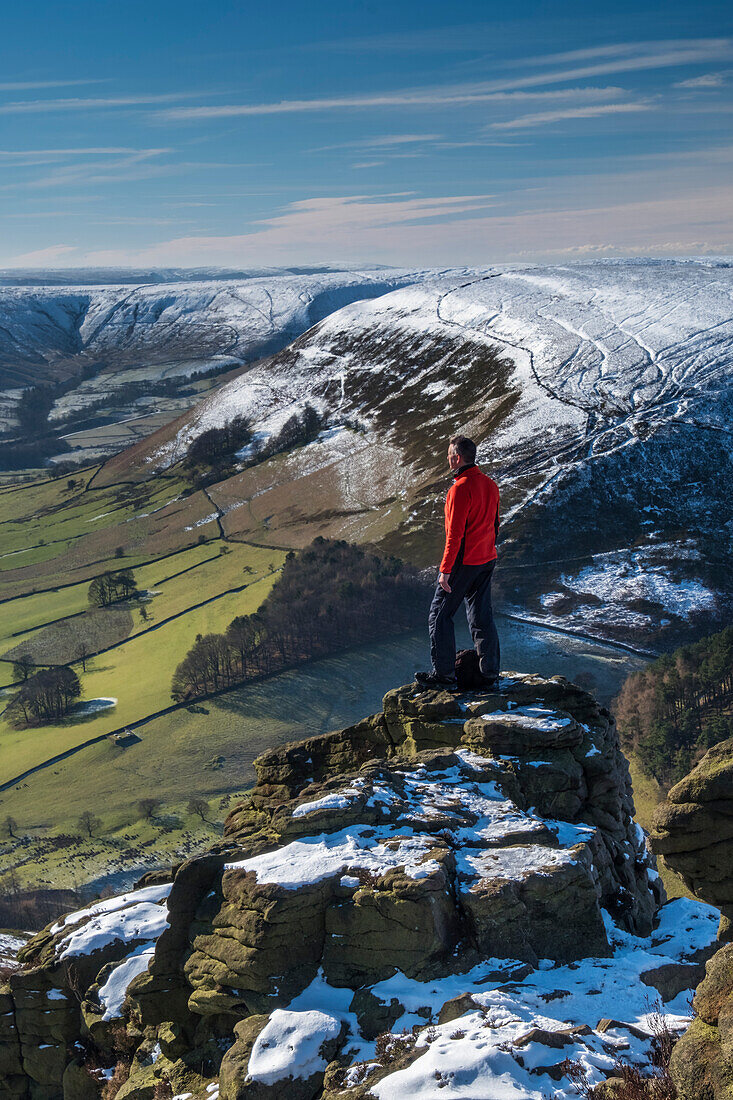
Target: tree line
46	697
211	455
111	587
670	713
49	694
329	597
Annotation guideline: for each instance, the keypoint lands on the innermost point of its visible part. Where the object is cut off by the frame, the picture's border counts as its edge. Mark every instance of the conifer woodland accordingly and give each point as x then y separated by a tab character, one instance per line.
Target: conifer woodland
670	713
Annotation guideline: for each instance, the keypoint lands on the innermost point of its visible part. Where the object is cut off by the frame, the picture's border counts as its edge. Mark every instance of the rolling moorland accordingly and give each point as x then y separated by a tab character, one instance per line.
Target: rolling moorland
598	395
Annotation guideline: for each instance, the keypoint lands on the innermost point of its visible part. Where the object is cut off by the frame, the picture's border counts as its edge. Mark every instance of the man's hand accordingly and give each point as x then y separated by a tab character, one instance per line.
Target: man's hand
443	581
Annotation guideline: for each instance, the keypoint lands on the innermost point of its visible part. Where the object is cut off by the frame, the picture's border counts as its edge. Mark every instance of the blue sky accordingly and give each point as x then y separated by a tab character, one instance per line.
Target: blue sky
242	134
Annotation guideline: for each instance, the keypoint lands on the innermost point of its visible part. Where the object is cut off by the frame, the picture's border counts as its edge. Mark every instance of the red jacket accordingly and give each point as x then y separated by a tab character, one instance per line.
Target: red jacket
471	519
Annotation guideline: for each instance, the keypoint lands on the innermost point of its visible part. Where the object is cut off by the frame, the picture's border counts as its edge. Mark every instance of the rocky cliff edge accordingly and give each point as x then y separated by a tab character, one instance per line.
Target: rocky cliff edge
693	830
451	892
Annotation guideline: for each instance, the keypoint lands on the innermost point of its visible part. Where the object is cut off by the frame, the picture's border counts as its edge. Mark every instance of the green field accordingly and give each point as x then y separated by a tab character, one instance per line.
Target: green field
137	673
50	535
64	533
206	750
25	614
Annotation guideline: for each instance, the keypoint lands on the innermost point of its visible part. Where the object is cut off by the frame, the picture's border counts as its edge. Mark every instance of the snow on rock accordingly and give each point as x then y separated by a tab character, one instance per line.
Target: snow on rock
400	897
329	854
137	915
291	1045
114	990
538	718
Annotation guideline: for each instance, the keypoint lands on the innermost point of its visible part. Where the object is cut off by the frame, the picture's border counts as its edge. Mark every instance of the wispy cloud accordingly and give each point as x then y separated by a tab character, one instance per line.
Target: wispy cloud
82	151
317	224
36	85
462	229
383	141
545	118
444	96
707	80
28	158
662	48
42	257
38	106
134	165
602	61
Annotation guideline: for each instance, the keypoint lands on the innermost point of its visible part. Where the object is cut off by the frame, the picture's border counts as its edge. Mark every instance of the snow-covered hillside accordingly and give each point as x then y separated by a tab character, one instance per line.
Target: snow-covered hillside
48	332
601	394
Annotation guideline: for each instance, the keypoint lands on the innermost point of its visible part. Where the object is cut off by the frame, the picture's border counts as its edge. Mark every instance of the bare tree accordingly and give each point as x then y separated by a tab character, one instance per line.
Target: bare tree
149	807
9	827
22	668
198	806
82	653
89	823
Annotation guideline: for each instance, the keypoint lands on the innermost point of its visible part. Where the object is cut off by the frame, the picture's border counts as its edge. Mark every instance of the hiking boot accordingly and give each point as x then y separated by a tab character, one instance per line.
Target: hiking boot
439	683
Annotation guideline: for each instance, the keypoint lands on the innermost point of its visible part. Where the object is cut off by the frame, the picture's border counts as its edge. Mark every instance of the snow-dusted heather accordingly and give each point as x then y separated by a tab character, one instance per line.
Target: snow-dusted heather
198	321
636	579
10	945
605	361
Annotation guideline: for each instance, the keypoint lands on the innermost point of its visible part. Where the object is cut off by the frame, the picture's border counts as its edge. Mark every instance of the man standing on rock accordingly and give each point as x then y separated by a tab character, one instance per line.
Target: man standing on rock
471	529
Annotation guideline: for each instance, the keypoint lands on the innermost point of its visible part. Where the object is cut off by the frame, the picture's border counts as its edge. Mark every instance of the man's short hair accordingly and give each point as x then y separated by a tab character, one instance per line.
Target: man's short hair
465	447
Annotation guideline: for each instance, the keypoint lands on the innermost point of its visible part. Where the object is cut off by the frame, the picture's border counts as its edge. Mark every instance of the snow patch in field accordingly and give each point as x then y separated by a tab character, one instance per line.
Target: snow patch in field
202	522
93	706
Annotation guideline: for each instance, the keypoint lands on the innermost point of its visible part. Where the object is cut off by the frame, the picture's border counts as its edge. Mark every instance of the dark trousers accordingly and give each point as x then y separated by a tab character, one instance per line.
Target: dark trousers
471	583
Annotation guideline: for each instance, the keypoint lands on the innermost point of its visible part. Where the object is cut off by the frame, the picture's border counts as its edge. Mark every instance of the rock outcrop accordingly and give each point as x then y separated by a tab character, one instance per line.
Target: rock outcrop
448	835
693	830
